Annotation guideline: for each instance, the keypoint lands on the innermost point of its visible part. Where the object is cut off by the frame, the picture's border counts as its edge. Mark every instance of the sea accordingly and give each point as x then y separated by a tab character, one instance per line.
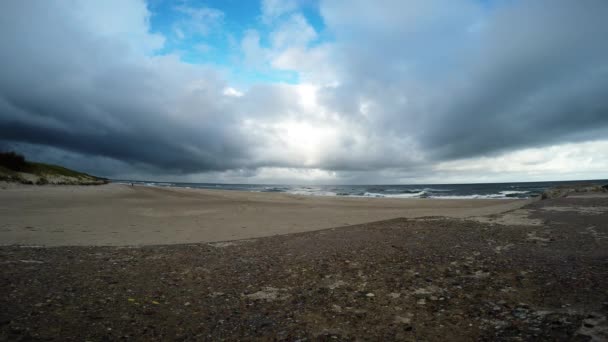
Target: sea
441	191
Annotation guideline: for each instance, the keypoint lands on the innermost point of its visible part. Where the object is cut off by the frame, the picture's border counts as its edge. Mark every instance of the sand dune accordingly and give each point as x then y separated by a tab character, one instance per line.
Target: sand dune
122	215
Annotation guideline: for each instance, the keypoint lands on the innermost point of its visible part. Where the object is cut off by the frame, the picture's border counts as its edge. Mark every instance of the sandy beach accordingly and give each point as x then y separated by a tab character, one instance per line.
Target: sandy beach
535	273
120	215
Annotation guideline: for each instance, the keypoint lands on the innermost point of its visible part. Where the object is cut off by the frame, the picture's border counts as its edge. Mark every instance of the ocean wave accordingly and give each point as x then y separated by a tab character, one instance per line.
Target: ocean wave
374	191
500	195
420	194
437	190
312	192
275	189
379	195
400	191
474	196
513	192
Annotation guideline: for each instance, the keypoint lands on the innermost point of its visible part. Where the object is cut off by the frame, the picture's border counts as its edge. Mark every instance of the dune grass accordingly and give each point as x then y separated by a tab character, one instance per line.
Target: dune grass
15	168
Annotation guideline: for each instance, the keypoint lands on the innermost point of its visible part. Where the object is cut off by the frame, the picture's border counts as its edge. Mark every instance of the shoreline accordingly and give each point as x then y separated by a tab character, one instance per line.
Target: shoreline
121	215
397	191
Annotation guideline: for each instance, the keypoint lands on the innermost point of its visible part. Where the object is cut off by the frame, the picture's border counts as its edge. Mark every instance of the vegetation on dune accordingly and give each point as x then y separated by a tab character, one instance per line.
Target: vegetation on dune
565	190
13	161
15	168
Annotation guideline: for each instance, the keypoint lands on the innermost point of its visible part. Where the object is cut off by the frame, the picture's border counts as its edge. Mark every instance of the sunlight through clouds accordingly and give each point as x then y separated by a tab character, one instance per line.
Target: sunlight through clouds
343	91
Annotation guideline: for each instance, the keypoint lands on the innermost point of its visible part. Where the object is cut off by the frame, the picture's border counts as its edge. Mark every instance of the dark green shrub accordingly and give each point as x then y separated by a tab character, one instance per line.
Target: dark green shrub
13	161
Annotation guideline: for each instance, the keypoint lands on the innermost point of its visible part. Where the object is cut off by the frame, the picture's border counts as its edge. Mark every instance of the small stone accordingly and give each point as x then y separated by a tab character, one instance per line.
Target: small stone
403	320
360	312
370	295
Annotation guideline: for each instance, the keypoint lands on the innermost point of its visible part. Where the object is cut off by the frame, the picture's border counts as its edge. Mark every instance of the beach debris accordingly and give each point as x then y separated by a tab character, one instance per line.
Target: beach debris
336	284
369	295
425	290
531	236
25	261
269	293
403	320
500	249
480	274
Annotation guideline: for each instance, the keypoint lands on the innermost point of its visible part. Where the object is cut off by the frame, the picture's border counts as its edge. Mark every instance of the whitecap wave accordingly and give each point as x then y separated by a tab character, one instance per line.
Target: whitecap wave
474	196
514	192
313	193
379	195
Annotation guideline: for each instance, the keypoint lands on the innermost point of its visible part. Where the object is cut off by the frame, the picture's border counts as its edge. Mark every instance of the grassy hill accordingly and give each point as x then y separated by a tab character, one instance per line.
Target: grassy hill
15	168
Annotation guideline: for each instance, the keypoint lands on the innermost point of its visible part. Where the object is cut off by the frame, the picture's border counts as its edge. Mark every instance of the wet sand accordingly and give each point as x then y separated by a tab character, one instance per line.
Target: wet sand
120	215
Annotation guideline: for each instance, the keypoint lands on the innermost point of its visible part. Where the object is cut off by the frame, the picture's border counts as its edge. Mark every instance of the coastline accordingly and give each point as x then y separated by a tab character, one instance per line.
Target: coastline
399	191
121	215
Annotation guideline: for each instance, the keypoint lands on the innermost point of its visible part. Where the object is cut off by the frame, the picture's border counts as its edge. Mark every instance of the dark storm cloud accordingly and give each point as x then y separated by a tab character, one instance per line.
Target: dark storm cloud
466	80
540	76
84	92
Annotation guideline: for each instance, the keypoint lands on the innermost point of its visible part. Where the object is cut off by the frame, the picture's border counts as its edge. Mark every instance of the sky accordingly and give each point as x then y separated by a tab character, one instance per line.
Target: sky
308	91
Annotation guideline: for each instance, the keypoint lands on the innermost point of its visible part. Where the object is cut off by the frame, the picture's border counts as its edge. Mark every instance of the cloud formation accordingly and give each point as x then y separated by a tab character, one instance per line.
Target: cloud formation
399	91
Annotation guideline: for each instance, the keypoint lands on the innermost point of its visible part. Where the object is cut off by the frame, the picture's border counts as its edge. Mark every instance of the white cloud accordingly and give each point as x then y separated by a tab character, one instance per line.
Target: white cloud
273	9
198	20
255	54
101	19
585	160
229	91
293	31
292	47
312	64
